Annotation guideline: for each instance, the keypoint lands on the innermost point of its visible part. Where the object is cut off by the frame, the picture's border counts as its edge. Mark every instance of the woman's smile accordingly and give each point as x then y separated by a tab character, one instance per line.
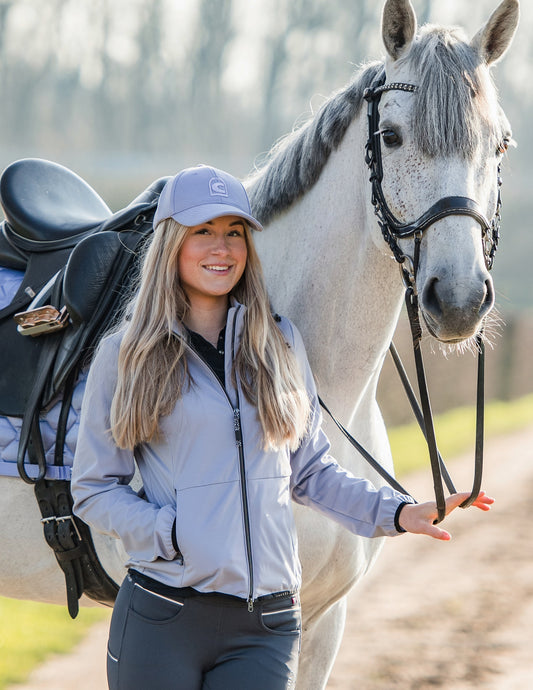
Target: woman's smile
218	268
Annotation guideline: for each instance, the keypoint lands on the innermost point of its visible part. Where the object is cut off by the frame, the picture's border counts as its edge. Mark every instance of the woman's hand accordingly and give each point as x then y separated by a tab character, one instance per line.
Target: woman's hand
418	518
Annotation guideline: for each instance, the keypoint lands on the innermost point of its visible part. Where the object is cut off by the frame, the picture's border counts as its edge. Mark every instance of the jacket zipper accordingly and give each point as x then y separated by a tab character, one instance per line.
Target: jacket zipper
242	468
238	438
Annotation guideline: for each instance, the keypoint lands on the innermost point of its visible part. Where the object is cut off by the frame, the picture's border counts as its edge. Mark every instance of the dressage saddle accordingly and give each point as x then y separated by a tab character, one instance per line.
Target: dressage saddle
78	259
74	253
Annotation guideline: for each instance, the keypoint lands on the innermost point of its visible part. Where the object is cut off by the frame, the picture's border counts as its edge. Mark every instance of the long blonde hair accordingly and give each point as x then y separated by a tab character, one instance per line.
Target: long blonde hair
152	367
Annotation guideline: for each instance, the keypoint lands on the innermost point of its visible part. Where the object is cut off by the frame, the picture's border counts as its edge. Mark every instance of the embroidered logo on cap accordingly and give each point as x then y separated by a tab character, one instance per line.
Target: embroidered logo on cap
217	187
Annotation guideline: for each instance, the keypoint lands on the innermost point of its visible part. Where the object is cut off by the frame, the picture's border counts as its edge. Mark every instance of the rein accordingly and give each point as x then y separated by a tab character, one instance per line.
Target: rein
393	230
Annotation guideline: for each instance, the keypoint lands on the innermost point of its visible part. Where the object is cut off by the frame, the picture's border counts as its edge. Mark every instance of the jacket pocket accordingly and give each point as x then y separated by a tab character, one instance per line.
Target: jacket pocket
210	535
179	555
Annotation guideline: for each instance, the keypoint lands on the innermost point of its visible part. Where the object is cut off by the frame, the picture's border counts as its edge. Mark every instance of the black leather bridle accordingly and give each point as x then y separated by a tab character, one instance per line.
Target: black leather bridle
393	230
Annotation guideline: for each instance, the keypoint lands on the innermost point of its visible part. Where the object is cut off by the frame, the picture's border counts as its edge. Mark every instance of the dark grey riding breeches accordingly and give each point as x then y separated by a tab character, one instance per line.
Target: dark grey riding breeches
163	638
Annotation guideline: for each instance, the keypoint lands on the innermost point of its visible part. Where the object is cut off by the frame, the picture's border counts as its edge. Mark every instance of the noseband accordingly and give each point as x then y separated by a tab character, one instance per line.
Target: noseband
393	229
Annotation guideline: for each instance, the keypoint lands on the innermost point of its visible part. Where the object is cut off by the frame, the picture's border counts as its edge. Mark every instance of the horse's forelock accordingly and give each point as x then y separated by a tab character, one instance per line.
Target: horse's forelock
456	99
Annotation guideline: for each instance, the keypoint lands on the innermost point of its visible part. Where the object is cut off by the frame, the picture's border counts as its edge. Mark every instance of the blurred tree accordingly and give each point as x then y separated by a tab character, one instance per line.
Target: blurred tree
212	34
149	116
295	21
424	11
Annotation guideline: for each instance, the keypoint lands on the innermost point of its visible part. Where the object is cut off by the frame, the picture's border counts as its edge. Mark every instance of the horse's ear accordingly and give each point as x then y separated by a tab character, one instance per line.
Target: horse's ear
398	26
496	36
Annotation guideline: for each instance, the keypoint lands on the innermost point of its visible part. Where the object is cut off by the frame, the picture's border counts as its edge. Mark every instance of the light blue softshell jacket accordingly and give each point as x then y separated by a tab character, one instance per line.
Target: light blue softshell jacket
194	474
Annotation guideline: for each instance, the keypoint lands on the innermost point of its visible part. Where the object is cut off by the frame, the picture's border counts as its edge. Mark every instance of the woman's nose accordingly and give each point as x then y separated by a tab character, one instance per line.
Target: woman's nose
220	245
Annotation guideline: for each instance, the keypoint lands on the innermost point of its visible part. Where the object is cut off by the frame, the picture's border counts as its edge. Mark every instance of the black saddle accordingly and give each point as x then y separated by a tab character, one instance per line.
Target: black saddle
75	254
78	259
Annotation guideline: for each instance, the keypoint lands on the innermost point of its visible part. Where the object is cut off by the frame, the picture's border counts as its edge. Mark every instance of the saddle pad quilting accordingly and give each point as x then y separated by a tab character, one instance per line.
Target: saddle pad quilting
9	284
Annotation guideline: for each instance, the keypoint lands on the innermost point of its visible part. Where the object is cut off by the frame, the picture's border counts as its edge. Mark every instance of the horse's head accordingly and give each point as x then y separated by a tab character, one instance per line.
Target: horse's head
444	141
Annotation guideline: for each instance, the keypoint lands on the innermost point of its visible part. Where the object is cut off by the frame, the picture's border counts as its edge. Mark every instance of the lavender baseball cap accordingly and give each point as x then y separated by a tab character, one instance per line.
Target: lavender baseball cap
197	195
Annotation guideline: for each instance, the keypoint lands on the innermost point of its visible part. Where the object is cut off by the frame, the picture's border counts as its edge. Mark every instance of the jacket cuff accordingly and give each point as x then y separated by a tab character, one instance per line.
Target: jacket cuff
397	517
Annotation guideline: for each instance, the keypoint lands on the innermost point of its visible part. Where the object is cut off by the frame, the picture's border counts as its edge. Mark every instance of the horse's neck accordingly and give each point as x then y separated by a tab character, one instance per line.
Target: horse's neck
325	272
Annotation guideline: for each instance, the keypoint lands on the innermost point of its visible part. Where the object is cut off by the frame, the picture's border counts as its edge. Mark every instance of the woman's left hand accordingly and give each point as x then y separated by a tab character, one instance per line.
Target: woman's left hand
418	518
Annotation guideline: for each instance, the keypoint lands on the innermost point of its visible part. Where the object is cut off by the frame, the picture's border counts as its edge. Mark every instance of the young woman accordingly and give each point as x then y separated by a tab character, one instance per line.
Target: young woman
211	397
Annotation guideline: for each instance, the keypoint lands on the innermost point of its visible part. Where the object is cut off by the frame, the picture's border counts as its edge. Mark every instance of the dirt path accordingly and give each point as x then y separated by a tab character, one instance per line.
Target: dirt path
455	615
452	615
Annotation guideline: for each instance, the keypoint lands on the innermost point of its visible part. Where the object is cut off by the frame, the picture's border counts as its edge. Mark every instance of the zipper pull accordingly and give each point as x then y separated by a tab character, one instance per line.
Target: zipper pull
250	605
237	426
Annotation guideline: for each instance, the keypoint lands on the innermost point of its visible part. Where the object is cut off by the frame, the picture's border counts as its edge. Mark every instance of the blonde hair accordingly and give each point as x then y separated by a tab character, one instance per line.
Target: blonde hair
152	367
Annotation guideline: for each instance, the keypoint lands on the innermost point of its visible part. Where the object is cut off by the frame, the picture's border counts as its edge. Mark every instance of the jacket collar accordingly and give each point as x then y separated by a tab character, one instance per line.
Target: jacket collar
236	311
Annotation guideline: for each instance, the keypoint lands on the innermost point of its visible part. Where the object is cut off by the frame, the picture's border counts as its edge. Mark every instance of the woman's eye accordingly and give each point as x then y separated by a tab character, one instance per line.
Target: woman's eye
390	137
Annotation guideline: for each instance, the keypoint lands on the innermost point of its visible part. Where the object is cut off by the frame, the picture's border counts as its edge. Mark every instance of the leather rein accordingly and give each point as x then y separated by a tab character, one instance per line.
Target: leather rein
393	230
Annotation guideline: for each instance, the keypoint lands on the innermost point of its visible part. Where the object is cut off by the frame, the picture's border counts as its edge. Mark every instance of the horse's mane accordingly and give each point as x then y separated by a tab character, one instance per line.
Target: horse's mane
454	103
296	161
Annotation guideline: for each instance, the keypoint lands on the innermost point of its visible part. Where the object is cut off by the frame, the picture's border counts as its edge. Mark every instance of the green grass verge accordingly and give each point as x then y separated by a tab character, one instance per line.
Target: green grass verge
455	432
30	632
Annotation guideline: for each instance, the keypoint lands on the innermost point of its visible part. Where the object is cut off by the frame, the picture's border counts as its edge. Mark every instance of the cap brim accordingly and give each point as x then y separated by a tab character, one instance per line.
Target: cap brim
205	213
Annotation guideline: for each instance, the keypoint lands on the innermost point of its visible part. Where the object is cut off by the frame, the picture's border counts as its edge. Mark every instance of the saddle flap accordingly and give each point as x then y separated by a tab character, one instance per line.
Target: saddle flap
45	201
87	272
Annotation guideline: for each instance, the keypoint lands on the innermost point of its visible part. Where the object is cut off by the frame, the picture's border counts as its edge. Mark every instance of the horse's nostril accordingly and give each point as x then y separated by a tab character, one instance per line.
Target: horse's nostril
430	299
488	300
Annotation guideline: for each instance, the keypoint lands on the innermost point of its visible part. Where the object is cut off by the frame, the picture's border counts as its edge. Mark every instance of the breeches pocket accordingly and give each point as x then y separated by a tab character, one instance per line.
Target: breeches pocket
282	617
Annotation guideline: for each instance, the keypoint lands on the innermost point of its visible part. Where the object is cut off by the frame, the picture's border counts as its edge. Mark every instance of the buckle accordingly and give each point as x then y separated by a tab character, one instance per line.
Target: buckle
45	319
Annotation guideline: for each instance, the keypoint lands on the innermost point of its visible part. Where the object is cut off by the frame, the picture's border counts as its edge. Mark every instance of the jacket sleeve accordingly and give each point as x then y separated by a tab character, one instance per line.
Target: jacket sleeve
319	482
102	472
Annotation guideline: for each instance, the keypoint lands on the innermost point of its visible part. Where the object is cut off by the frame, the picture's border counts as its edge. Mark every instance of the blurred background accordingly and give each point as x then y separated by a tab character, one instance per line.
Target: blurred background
126	91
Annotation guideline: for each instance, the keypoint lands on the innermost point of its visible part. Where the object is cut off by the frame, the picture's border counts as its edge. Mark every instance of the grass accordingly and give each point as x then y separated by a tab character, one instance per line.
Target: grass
455	432
30	632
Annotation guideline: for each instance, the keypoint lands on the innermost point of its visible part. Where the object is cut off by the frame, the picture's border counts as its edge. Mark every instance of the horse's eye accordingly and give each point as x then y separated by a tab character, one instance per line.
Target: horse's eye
503	145
390	137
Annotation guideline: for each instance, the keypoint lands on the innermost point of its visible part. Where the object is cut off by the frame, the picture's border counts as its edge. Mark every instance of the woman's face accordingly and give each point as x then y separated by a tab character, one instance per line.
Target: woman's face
212	259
